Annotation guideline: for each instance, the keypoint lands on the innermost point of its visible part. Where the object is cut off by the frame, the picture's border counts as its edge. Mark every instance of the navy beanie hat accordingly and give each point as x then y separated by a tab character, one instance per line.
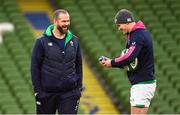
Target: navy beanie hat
124	16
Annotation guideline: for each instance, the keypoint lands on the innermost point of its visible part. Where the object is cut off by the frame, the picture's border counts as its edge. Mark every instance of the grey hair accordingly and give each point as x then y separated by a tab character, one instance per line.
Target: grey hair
58	11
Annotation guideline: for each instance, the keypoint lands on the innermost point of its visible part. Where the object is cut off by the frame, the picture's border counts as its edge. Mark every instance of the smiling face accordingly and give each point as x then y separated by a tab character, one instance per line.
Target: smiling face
62	22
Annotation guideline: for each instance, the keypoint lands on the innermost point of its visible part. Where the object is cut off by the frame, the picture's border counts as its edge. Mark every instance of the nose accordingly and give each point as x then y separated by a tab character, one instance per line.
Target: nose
66	23
119	27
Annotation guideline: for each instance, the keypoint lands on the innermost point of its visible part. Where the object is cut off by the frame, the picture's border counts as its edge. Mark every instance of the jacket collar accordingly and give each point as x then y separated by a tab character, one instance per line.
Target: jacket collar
138	25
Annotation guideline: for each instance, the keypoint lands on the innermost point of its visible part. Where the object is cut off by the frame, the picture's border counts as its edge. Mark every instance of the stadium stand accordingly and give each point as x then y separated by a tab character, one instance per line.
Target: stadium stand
16	90
92	20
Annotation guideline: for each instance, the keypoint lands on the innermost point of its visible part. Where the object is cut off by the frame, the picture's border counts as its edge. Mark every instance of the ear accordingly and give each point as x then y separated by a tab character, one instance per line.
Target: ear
55	21
52	20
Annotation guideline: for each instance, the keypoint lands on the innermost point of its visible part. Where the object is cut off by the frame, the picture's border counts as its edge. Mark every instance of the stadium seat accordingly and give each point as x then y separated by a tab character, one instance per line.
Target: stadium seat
141	7
163	108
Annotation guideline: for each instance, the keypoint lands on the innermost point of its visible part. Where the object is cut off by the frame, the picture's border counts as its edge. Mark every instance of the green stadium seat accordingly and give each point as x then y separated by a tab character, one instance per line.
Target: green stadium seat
123	97
66	3
1	9
153	2
25	34
171	1
141	7
11	108
172	51
177	38
9	3
13	75
167	68
118	2
137	2
72	8
101	2
115	74
85	2
29	108
7	103
163	13
163	108
171	25
175	31
177	110
166	19
175	6
177	13
155	26
177	86
12	8
106	8
89	8
99	26
174	95
122	6
158	7
21	28
17	21
3	17
156	31
24	98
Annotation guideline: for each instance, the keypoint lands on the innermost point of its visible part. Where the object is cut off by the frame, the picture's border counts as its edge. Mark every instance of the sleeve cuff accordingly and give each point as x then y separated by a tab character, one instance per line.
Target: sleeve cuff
114	64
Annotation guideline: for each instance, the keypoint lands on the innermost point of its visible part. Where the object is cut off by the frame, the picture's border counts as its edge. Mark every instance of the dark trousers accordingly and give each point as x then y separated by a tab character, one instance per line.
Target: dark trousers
50	103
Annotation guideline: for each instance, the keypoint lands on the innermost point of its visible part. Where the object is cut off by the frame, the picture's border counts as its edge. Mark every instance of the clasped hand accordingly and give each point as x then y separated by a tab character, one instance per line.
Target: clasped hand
106	62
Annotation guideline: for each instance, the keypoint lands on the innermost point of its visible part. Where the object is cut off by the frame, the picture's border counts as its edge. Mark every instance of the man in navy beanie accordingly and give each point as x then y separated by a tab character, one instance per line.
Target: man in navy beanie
139	47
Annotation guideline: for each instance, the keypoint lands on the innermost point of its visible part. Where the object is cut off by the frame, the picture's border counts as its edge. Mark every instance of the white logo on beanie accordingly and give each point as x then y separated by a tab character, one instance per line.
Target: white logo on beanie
129	20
